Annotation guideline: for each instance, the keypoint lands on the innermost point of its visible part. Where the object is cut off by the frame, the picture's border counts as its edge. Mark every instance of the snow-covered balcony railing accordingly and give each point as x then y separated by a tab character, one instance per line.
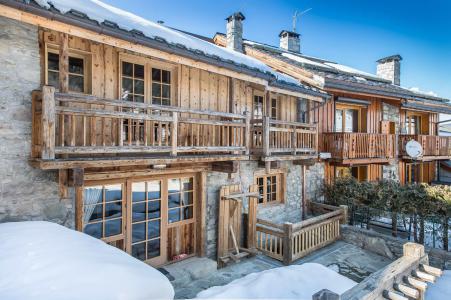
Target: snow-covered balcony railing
272	137
74	125
364	146
433	146
288	242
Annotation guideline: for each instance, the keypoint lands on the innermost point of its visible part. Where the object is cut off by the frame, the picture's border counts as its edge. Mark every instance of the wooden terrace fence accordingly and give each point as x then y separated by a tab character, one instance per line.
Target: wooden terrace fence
354	145
432	145
288	242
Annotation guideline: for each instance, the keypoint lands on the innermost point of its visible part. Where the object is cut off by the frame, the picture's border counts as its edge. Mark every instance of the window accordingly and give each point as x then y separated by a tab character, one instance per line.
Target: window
269	188
413	123
274	108
346	120
146	219
257	112
180	199
77	71
303	110
132	82
161	87
360	173
103	207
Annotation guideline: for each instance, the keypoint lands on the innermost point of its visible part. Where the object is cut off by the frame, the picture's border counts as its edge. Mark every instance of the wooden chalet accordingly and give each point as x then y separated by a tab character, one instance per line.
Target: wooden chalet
145	124
370	118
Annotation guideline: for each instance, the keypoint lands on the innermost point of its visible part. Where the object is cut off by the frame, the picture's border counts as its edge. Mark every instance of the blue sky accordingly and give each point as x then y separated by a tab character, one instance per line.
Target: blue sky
355	33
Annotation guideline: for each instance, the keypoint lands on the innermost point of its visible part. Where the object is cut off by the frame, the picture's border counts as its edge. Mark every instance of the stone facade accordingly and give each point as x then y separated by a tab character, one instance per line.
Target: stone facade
390	68
25	193
235	32
391	171
290	41
391	113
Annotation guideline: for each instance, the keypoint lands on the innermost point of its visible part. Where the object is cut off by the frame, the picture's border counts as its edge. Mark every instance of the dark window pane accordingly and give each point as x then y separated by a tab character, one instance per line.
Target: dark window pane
274	196
174	215
96	212
165	102
187	184
94	230
187	212
139	71
153	190
76	83
53	61
260	181
156	101
174	200
138	232
153	248
113	210
153	211
139	99
187	198
174	185
139	251
139	87
113	227
156	75
166	77
113	192
166	91
53	79
127	85
76	65
138	191
139	212
156	90
153	229
127	69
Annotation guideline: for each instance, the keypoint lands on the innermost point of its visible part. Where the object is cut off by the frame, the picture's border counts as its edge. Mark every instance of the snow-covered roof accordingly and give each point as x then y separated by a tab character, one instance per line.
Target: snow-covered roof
113	17
46	261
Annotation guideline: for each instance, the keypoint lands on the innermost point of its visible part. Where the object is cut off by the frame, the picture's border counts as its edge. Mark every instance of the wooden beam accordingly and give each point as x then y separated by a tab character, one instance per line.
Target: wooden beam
64	63
202	215
78	177
225	166
108	175
62	181
48	123
79	190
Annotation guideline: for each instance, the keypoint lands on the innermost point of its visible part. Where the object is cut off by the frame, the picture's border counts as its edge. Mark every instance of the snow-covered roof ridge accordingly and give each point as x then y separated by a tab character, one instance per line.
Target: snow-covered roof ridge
126	22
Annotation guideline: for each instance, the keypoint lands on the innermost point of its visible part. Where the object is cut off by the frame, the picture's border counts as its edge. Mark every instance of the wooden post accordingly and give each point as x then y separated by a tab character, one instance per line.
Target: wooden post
266	130
62	180
64	63
294	140
345	214
174	128
247	132
78	179
202	215
287	243
252	219
48	123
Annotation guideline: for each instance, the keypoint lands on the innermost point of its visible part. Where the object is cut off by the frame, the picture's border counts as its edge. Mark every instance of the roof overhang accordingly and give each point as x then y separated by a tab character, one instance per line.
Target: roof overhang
417	105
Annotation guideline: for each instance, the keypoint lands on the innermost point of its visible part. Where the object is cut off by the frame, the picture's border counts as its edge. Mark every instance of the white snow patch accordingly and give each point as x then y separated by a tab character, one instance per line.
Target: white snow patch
347	69
303	60
46	261
441	289
292	282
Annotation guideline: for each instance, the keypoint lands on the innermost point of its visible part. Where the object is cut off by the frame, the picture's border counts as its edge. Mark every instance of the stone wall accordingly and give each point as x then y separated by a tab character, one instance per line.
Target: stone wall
25	193
391	171
389	246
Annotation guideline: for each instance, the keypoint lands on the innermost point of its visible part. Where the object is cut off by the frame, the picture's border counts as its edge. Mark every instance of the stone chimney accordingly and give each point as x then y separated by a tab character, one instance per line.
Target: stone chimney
235	31
290	41
390	68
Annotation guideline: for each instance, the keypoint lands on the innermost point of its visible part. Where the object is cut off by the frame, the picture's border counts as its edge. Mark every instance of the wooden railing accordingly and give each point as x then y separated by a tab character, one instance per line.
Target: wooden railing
432	145
344	145
288	242
274	136
70	124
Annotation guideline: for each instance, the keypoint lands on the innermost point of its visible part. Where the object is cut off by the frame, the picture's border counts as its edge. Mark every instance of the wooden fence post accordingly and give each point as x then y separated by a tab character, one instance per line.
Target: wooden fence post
174	128
345	214
287	243
78	180
252	219
294	140
247	132
48	123
266	132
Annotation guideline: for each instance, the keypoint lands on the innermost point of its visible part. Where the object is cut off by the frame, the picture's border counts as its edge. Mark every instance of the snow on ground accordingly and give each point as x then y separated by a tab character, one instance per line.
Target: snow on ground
99	11
441	289
292	282
46	261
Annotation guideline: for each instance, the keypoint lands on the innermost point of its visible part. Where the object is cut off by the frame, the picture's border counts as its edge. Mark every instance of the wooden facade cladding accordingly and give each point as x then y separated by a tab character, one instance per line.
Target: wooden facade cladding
208	116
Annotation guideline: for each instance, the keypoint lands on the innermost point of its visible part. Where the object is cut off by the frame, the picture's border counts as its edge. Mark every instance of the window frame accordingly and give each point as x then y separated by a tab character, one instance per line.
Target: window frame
263	110
280	186
344	109
87	67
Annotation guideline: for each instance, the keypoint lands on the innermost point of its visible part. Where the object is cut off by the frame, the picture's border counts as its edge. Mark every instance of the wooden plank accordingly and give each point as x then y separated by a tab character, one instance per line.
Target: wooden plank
201	215
64	63
48	123
62	181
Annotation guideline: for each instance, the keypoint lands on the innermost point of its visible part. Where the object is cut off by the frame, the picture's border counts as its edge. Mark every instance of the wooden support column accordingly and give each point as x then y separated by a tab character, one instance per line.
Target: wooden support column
247	132
174	129
304	193
78	179
266	132
287	243
252	219
64	63
62	180
201	237
48	123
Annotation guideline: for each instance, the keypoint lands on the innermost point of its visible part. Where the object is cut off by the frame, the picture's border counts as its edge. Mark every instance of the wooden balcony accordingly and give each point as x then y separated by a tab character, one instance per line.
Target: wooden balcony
276	140
355	148
72	130
434	147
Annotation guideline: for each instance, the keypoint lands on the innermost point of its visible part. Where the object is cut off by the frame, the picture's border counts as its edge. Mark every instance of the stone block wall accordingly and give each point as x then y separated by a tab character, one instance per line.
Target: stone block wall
25	193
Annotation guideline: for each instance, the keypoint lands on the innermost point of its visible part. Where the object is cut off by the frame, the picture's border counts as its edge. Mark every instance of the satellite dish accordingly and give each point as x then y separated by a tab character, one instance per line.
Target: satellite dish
414	149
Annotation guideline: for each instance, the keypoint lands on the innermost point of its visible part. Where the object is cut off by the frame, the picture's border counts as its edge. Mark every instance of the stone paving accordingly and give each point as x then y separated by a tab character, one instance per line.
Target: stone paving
196	274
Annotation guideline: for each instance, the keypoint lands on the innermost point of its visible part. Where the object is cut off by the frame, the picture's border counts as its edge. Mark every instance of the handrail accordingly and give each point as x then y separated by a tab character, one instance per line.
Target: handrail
433	145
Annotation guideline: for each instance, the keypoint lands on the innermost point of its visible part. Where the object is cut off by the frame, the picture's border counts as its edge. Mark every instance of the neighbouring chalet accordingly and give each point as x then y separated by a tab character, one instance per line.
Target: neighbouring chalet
129	131
369	119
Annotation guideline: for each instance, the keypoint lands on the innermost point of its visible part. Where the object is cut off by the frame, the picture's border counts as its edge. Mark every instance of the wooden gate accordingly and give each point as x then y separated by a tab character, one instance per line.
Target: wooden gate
231	200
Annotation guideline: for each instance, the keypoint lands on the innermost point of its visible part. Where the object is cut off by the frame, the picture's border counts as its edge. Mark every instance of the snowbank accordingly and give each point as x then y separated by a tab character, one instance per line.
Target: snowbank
441	289
42	260
293	282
